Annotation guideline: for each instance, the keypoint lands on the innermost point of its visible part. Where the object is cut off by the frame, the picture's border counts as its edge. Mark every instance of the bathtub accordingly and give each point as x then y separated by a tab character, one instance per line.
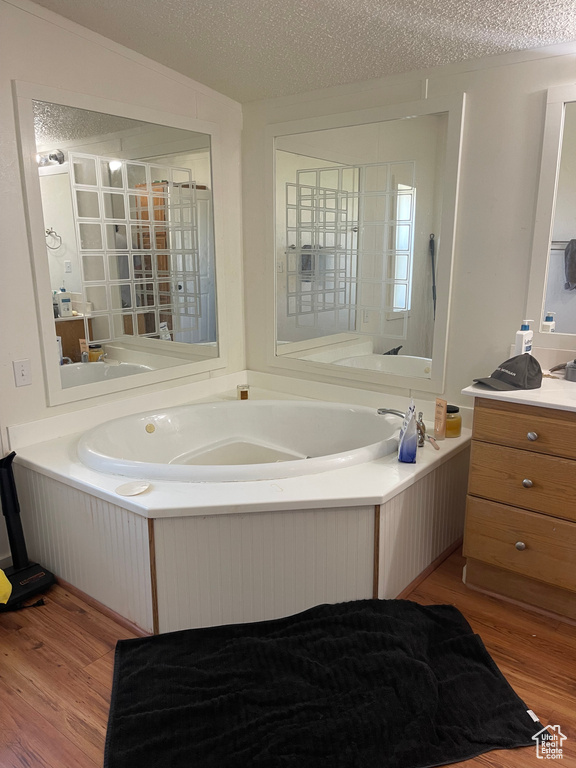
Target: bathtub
181	554
239	441
399	365
75	374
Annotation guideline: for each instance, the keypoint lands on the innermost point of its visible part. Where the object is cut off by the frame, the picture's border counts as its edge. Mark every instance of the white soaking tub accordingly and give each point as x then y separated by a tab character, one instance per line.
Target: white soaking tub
239	440
75	374
399	365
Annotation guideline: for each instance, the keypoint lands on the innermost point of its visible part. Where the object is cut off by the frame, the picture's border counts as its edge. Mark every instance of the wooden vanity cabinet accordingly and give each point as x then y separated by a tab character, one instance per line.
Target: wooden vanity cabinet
71	330
520	532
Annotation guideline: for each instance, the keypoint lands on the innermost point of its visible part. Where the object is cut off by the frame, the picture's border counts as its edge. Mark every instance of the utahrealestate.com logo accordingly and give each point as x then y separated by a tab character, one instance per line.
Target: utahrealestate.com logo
549	743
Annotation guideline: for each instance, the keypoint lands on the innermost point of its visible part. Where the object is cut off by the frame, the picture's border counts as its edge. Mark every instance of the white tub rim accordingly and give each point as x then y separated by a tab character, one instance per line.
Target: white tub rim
104	462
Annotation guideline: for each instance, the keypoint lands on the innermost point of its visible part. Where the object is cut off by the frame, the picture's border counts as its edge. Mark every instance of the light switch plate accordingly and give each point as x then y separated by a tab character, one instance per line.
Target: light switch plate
22	372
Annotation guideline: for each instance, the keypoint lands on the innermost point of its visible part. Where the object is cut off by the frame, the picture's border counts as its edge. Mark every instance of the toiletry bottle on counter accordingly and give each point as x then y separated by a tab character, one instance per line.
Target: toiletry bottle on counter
549	325
453	421
242	391
440	419
64	303
524	339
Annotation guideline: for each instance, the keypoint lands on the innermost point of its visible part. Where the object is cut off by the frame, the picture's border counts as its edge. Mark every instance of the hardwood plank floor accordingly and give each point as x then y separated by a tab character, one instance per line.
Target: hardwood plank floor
56	665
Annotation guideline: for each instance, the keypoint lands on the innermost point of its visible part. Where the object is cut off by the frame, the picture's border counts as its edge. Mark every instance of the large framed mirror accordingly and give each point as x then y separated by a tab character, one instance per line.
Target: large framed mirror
552	288
121	215
365	211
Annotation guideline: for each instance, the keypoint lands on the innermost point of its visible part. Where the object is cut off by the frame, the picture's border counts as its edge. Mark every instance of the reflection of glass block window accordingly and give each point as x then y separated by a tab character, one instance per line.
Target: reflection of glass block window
137	232
349	236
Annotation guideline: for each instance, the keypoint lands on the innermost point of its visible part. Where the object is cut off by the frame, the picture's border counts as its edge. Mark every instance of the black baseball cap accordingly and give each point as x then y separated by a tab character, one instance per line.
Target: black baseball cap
519	372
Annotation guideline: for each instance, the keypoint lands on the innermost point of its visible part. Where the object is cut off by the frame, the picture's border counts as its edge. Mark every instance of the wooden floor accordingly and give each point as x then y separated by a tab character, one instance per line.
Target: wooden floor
56	669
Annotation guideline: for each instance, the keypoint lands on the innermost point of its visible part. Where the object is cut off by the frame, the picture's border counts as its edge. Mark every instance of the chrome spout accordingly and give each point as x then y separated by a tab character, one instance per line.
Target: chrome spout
391	410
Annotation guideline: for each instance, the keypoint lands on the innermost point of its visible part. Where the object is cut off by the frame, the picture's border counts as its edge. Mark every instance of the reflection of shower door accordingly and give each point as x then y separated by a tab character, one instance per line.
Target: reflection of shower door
137	234
350	248
321	257
142	263
194	301
386	203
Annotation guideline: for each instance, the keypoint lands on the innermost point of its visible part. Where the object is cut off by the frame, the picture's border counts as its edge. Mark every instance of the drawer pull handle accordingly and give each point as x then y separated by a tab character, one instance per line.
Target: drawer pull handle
532	436
527	483
520	546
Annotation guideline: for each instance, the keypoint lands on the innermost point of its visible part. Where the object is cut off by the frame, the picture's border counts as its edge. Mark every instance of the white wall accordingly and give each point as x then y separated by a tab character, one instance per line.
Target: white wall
506	98
42	48
74	59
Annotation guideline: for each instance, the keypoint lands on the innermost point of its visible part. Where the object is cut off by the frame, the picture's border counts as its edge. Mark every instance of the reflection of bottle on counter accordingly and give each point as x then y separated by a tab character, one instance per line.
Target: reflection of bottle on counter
549	325
95	352
64	303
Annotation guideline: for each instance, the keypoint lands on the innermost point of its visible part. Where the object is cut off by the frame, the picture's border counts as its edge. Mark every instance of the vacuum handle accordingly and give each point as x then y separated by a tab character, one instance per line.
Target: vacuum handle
11	511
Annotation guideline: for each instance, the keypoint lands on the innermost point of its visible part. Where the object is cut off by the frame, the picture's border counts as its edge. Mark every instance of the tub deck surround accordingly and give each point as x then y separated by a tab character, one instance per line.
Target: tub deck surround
185	554
374	482
245	551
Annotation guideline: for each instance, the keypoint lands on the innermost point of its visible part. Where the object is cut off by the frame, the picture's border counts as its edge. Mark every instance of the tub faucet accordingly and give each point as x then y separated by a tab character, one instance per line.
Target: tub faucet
65	361
391	410
420	426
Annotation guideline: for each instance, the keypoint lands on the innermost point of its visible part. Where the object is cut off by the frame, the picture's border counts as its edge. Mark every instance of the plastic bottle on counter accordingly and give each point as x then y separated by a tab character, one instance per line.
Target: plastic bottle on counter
524	339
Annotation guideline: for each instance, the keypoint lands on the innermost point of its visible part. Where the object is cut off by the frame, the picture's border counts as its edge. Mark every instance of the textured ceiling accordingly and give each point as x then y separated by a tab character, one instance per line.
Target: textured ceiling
54	123
254	49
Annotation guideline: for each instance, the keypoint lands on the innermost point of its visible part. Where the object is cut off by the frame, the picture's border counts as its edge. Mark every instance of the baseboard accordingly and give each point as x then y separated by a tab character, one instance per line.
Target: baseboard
130	626
427	571
522	591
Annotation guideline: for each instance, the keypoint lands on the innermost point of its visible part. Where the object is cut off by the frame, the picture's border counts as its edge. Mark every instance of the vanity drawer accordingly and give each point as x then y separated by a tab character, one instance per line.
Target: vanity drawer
553	431
533	481
540	547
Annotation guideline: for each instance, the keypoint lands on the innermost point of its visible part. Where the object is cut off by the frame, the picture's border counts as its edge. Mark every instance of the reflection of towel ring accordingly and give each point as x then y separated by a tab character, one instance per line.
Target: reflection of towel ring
52	233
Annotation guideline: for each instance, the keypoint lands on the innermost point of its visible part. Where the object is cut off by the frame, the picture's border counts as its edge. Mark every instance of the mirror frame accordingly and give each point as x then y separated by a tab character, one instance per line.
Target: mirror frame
556	99
454	105
24	95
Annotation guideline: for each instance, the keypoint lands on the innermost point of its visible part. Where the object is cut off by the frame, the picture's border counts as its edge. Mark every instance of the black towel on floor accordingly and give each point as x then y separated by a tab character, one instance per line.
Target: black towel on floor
364	684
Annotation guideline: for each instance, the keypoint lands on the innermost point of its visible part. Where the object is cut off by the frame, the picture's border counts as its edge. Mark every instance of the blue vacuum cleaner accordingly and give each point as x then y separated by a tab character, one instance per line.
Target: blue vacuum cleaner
27	579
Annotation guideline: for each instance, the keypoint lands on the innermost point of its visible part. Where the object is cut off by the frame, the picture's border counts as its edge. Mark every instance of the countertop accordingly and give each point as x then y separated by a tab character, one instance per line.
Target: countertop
554	393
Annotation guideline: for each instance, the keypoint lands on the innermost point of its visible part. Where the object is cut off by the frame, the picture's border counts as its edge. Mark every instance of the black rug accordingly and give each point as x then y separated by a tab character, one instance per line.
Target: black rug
364	684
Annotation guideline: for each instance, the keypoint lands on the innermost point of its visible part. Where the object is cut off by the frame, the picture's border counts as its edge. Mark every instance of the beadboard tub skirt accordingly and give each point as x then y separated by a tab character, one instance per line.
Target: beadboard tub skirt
173	573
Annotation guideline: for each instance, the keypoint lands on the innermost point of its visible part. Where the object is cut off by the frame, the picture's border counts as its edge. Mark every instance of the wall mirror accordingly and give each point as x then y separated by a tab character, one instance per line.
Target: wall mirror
552	289
125	267
365	208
